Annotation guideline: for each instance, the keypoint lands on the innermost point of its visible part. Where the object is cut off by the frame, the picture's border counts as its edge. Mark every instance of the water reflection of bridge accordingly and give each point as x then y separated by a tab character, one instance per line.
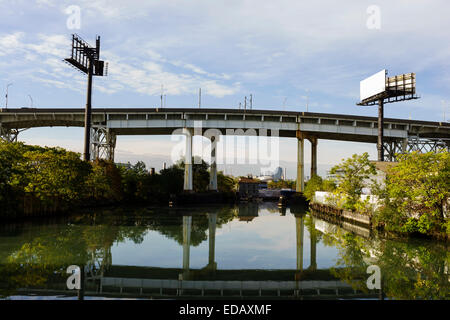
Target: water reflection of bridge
210	281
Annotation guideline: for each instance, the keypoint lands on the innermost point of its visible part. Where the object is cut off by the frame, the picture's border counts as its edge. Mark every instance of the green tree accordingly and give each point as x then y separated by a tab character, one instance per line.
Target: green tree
351	177
200	173
415	191
281	184
314	184
225	183
10	155
172	179
52	173
104	182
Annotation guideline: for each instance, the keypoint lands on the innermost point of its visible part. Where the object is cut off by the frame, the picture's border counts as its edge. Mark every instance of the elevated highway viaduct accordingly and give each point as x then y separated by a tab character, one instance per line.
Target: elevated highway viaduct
400	135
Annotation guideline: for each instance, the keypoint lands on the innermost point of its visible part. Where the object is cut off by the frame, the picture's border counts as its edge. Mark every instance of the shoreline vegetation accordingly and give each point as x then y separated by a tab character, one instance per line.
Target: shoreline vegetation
411	198
37	181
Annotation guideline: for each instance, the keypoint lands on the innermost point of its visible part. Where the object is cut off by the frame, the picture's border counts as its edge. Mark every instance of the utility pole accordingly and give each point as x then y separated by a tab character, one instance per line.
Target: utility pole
443	110
200	97
162	92
31	100
251	101
307	99
9	84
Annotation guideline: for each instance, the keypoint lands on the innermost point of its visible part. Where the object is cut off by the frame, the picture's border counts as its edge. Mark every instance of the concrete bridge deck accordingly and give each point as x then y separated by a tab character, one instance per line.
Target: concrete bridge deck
400	135
147	121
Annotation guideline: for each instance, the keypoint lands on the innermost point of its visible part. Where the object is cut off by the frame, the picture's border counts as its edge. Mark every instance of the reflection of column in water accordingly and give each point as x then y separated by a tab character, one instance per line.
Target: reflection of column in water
299	228
82	283
212	220
313	241
187	224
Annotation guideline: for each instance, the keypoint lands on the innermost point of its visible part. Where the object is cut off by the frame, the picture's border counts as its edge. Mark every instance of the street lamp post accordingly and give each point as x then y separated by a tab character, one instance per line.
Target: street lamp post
9	84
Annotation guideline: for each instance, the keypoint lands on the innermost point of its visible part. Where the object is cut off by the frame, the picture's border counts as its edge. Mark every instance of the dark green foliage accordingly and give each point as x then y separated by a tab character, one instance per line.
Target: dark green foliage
54	179
281	184
414	194
316	183
226	183
351	177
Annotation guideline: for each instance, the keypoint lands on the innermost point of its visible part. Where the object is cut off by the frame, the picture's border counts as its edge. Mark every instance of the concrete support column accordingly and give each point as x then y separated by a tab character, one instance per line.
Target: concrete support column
213	169
187	225
299	231
313	157
212	220
313	248
405	145
300	186
188	170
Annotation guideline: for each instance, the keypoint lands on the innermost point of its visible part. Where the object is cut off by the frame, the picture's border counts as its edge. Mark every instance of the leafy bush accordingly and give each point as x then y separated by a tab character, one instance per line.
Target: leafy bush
351	176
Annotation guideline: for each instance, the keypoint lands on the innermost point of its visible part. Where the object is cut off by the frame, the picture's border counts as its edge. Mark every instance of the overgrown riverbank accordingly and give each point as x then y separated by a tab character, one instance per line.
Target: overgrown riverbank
410	199
38	181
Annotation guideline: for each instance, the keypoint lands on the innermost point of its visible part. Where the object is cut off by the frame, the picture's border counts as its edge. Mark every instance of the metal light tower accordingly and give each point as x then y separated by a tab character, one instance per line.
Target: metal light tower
380	89
87	60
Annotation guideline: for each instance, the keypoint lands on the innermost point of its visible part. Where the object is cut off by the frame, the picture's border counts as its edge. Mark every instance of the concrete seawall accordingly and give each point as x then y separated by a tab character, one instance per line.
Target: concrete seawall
341	214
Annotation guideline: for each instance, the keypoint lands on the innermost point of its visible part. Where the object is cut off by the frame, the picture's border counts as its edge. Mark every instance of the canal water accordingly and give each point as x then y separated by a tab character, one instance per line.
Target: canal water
253	250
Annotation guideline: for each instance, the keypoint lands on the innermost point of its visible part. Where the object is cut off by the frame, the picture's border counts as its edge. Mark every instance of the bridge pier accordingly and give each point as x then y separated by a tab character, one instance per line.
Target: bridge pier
187	225
313	141
9	135
212	220
188	170
313	245
300	185
103	143
213	168
299	232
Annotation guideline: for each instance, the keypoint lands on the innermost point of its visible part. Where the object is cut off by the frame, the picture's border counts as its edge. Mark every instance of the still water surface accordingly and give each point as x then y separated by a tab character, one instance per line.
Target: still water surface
251	250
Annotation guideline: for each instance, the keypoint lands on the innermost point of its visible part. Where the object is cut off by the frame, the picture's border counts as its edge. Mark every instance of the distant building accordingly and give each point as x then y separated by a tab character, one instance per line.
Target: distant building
275	176
265	178
278	174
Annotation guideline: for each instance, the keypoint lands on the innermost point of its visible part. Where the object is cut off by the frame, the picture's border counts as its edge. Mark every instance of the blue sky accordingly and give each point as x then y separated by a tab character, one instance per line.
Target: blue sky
280	51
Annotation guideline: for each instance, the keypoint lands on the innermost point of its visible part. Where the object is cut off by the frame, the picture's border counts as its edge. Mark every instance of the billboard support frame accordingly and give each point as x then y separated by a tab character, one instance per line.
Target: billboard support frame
87	60
398	88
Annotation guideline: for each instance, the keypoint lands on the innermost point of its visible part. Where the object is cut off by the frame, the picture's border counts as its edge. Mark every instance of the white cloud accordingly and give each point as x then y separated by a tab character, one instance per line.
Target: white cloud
137	74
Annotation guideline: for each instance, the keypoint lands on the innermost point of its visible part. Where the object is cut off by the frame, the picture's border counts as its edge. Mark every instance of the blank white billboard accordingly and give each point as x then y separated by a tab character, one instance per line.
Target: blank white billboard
373	85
